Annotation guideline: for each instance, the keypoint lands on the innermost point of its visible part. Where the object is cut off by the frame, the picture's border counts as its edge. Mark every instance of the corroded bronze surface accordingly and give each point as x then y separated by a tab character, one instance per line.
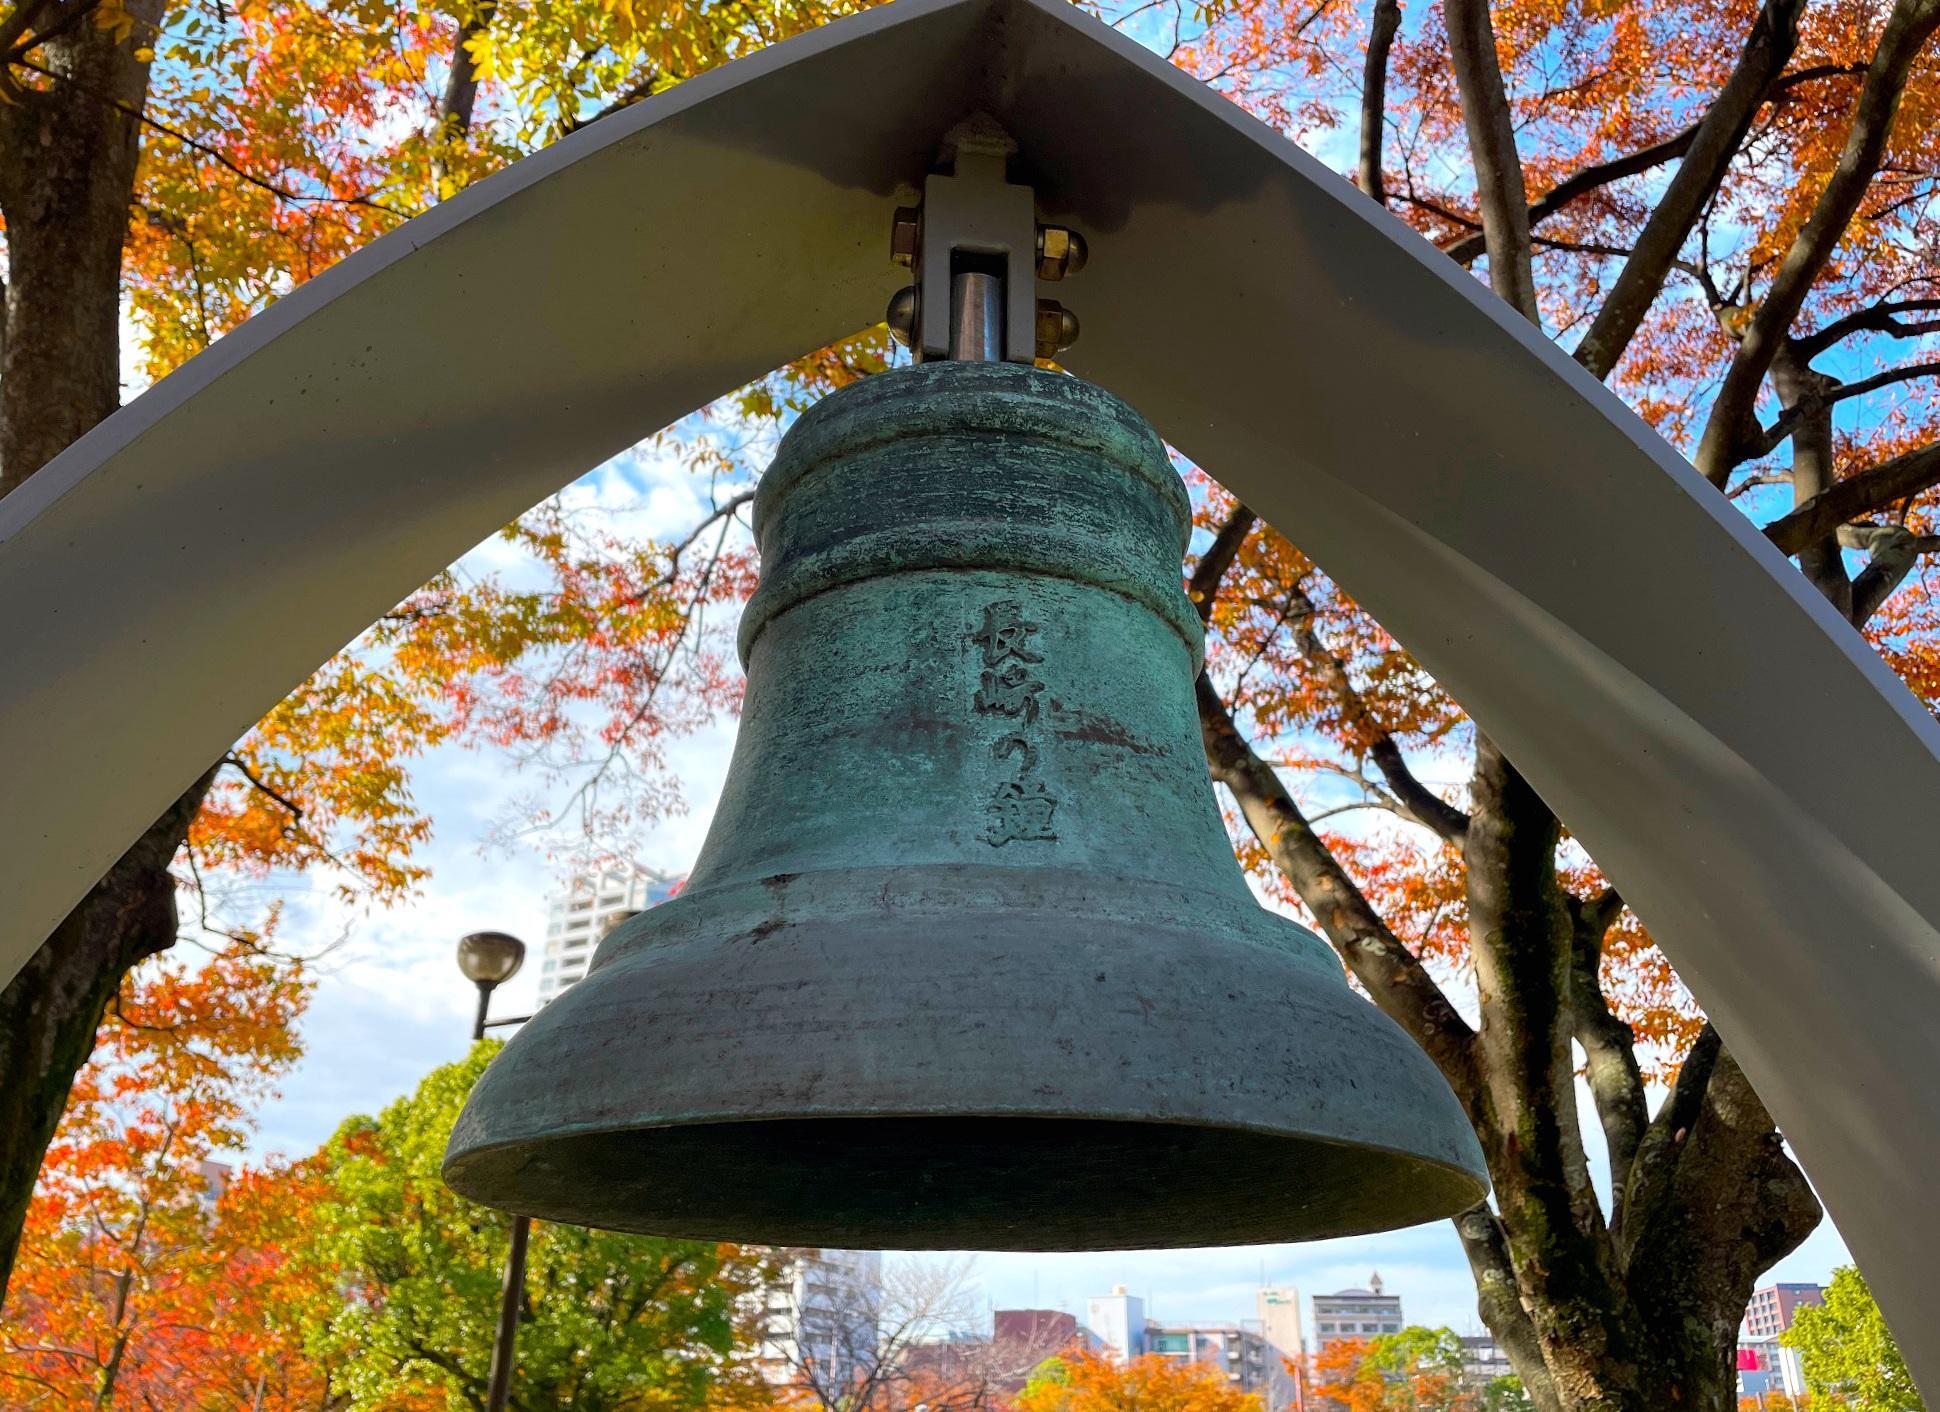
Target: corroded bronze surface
966	960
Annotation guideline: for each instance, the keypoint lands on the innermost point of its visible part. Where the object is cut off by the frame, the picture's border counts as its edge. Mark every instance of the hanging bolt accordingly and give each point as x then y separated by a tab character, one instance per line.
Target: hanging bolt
1060	252
901	316
904	234
1057	328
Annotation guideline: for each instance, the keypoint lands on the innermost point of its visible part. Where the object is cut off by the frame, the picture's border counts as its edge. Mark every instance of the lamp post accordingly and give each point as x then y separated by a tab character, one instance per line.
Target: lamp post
489	959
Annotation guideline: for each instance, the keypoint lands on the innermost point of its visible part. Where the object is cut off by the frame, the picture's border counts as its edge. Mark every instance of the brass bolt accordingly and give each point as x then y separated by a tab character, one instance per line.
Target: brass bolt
1060	252
901	316
1057	328
903	236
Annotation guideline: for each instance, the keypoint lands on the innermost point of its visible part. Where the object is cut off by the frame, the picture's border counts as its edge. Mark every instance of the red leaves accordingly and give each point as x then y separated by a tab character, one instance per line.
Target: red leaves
117	1285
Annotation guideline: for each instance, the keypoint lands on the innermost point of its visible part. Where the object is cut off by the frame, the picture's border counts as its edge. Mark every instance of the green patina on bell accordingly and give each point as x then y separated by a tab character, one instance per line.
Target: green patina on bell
966	960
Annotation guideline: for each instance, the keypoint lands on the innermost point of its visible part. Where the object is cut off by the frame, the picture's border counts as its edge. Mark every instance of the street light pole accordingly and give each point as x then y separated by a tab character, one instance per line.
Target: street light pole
488	959
511	1295
484	1004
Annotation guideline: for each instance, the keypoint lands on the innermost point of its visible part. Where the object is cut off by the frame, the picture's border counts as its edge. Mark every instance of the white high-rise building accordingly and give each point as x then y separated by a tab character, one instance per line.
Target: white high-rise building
1118	1319
822	1321
1278	1307
578	916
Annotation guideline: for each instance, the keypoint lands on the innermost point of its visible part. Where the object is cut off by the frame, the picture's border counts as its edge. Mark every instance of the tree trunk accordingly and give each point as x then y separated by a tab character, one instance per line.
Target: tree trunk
67	179
1634	1314
67	171
51	1010
1802	394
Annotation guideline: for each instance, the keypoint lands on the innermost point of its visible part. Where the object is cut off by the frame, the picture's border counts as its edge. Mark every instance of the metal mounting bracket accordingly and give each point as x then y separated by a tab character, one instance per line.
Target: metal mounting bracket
977	252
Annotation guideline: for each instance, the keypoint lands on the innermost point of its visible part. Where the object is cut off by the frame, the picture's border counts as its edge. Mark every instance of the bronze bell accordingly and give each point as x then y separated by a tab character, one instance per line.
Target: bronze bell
966	960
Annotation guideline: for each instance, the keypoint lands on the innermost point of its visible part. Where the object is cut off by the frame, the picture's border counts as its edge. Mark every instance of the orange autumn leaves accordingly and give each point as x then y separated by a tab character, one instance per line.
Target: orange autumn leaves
278	139
1590	82
1085	1382
127	1291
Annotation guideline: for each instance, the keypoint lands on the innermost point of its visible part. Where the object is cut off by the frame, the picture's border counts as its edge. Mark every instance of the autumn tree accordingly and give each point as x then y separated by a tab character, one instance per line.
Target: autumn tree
1085	1382
1848	1353
170	167
1722	210
609	1321
124	1293
1417	1369
1725	212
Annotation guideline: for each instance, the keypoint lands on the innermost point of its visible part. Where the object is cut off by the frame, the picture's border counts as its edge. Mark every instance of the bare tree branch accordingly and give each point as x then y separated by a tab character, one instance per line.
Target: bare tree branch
632	94
1396	980
1503	197
241	767
1879	318
1499	1301
1210	571
1615	1080
1416	801
1833	392
1714	143
1412	799
1891	550
221	159
1470	248
1870	490
1908	28
1374	97
1805	394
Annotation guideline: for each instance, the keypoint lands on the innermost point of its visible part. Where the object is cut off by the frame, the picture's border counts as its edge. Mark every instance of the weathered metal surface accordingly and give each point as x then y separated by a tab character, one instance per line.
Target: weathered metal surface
966	960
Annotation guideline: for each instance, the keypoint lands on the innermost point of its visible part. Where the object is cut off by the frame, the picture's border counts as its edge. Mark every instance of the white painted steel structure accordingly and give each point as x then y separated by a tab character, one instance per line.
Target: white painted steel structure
1632	642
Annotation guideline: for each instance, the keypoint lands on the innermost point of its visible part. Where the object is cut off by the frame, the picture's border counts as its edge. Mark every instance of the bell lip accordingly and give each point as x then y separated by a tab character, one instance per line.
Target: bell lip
1465	1186
578	1097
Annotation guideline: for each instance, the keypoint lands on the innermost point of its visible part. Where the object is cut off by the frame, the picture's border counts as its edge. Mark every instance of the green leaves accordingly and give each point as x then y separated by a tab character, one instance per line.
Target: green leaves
611	1321
1849	1353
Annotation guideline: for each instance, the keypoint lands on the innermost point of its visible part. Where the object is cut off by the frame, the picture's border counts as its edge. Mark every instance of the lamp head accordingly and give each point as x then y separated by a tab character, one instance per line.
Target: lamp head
490	958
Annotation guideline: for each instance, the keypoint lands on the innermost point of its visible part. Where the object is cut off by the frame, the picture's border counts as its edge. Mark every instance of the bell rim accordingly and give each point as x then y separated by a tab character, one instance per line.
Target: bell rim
1456	1188
1223	1022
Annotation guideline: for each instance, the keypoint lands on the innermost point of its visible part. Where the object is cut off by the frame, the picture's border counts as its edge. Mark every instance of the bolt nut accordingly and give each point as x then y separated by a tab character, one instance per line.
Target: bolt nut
1060	252
904	235
901	316
1057	328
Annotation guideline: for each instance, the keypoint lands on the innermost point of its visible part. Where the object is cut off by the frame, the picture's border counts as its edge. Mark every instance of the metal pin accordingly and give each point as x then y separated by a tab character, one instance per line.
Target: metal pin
977	317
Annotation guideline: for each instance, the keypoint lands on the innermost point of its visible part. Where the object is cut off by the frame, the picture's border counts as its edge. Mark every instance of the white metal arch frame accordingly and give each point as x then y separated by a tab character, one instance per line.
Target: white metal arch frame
1638	648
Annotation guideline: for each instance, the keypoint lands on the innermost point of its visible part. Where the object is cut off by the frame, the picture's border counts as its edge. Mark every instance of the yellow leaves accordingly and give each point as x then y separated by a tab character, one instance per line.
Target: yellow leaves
483	48
113	16
620	17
